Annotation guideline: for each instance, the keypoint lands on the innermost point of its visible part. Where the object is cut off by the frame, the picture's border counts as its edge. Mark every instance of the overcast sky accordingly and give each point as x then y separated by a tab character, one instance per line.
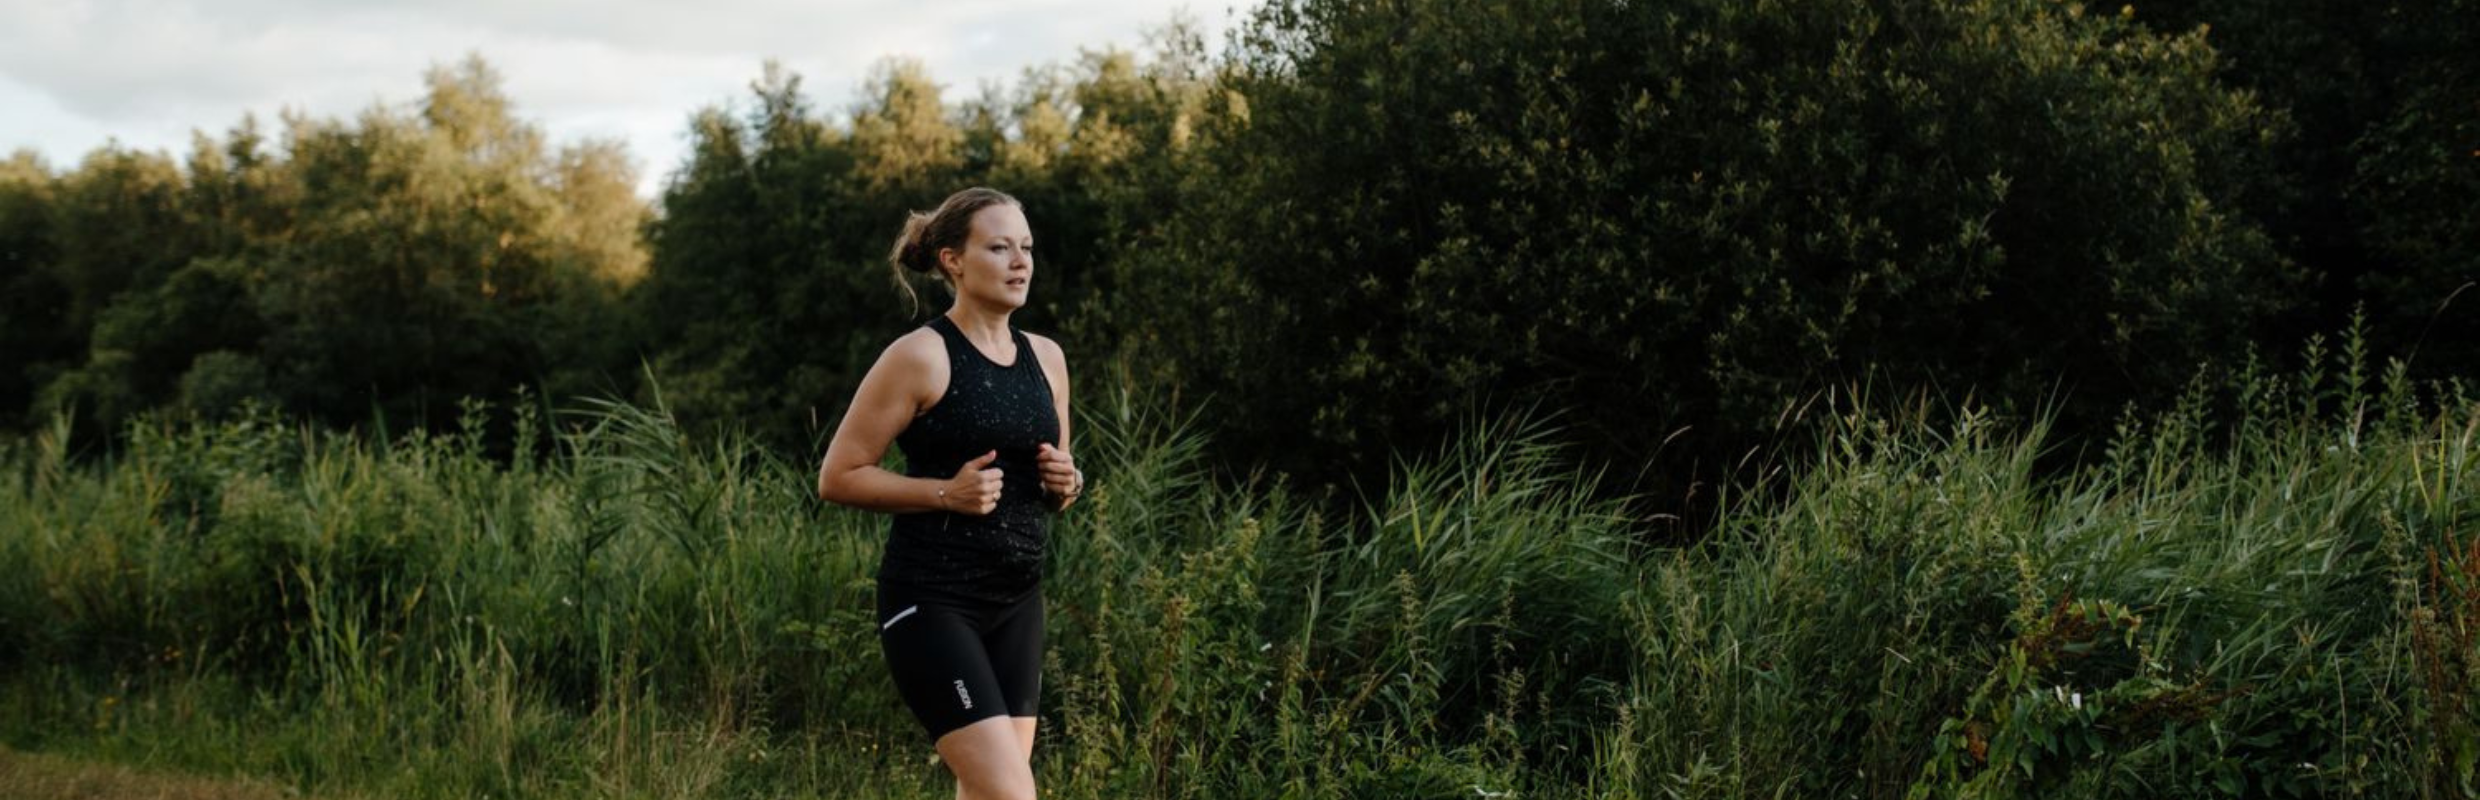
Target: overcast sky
76	73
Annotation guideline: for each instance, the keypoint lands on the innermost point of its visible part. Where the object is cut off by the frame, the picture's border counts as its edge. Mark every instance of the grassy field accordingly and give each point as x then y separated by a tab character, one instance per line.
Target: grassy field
2271	591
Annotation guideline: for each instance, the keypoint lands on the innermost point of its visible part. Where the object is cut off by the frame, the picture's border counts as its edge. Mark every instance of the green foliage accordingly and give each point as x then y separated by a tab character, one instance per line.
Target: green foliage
1922	615
393	263
1370	221
32	300
2382	97
1236	643
1675	214
761	304
1371	218
221	381
2276	605
769	296
2417	161
1670	219
119	223
439	263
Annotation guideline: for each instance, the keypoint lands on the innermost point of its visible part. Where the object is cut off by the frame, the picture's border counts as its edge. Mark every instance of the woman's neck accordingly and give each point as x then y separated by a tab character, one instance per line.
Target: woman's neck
986	328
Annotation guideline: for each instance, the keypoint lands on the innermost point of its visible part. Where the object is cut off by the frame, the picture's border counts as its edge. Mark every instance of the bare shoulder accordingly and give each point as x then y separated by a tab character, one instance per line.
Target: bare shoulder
1048	350
918	349
914	367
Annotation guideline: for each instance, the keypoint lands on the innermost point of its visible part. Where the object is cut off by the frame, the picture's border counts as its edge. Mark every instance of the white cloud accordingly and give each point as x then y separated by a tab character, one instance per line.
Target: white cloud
147	72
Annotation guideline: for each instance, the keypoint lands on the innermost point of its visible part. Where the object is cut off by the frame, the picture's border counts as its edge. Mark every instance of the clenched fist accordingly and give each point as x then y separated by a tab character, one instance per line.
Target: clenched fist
1060	477
975	489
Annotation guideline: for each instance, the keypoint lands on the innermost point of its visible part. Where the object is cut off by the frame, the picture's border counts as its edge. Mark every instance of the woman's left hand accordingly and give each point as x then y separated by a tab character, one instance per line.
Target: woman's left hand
1060	477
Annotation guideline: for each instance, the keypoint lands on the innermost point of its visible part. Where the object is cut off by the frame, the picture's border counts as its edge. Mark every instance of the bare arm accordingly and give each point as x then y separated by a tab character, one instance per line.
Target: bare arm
1062	482
908	377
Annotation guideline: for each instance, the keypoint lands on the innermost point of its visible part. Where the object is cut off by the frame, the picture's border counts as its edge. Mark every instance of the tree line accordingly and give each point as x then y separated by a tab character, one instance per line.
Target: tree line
1355	225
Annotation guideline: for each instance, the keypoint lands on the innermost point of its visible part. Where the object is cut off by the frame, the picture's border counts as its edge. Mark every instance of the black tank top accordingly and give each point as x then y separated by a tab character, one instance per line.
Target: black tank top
998	557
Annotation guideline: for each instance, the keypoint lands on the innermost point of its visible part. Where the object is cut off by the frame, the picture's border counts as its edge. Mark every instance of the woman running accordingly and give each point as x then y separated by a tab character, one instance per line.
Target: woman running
980	410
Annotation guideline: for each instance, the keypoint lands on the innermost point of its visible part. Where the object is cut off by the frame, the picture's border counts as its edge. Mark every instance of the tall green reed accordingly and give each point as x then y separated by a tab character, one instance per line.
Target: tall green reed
2266	589
2214	608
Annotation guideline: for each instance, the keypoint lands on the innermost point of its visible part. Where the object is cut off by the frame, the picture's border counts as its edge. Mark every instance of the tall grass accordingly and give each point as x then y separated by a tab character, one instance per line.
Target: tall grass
2266	592
1921	613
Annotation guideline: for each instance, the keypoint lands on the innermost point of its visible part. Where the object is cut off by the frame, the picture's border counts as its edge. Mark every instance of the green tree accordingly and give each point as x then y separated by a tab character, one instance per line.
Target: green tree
1692	214
121	226
735	302
901	132
394	262
2379	184
769	295
33	330
443	255
1116	178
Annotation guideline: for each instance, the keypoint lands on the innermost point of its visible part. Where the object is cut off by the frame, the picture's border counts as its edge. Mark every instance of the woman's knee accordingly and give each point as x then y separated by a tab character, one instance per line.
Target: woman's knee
989	760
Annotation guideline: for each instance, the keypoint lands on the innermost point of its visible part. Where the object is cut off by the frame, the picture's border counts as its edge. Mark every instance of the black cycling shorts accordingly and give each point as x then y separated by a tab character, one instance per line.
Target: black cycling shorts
957	661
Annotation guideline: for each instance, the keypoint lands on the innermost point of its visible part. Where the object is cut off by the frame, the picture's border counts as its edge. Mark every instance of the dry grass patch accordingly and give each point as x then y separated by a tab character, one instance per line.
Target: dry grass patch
33	776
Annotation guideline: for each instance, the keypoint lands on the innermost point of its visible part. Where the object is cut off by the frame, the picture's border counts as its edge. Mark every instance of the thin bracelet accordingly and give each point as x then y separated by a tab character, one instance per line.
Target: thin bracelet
942	498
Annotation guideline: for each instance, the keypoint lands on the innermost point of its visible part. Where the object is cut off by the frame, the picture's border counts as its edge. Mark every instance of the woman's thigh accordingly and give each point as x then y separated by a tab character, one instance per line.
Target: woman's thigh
940	669
1014	645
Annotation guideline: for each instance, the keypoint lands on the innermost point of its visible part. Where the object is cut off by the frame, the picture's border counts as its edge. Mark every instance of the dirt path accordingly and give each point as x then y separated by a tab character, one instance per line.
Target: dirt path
35	776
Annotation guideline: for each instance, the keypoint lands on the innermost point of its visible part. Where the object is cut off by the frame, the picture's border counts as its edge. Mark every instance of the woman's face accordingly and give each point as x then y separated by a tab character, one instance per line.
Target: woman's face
996	264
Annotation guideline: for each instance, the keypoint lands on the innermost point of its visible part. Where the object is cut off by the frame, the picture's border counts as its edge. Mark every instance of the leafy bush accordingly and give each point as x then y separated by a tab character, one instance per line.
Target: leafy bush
2371	185
1664	215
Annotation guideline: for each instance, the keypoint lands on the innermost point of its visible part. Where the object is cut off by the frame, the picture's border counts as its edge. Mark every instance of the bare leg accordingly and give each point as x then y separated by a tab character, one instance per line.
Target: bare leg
1024	733
990	759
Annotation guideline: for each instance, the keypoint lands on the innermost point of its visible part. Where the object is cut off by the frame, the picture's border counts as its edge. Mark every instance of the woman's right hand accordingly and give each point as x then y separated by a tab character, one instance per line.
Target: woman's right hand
975	489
